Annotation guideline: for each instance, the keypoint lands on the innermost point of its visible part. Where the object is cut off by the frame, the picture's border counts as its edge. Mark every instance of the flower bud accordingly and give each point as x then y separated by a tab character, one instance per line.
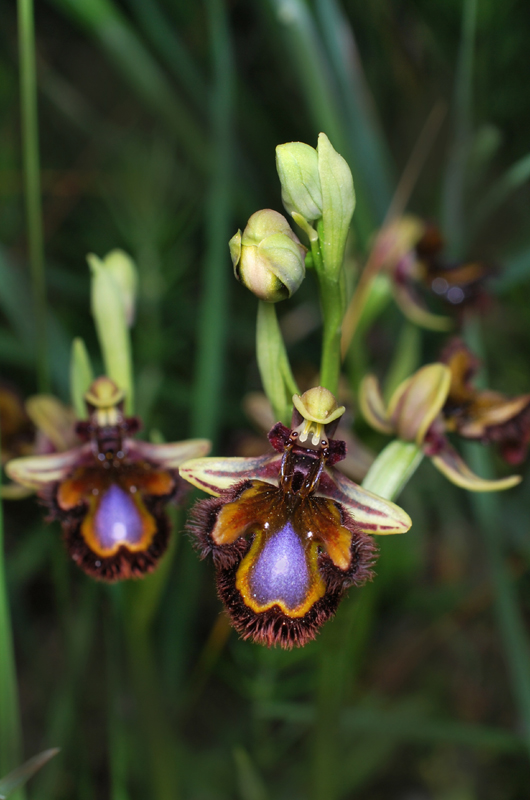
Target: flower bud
124	271
318	185
268	257
297	166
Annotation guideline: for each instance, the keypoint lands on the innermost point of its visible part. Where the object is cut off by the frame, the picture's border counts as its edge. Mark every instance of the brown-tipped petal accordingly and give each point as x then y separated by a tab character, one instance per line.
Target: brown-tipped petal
35	472
489	410
214	475
456	470
371	513
417	401
170	455
54	419
373	406
412	307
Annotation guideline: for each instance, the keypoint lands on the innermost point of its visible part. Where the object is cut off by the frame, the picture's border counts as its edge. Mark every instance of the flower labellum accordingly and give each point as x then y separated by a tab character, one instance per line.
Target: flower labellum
110	492
288	533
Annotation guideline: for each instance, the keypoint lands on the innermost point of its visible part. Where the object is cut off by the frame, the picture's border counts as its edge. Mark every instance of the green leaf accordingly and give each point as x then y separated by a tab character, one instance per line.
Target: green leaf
273	363
20	775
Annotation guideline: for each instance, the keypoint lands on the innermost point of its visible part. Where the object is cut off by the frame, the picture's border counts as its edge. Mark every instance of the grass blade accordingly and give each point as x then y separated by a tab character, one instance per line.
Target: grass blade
213	312
10	727
452	211
105	23
19	776
30	138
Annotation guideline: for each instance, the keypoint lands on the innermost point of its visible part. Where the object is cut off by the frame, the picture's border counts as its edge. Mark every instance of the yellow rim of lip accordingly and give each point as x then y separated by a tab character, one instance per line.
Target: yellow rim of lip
89	534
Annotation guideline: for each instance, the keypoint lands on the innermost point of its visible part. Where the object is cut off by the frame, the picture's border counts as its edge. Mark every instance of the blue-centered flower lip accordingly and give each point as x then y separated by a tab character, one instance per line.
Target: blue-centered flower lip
288	534
110	492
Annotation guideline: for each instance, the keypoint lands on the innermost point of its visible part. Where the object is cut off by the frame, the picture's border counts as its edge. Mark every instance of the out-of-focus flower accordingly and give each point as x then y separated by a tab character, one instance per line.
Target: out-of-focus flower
417	413
110	492
268	257
410	251
16	428
288	533
317	186
40	425
490	417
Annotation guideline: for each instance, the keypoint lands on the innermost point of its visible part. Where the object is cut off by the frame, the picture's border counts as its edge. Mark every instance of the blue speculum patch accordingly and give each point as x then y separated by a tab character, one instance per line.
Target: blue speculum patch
117	519
281	572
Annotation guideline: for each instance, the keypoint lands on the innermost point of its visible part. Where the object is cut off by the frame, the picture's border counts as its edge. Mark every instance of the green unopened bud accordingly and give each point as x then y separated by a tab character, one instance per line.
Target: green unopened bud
108	310
268	257
123	270
297	166
318	185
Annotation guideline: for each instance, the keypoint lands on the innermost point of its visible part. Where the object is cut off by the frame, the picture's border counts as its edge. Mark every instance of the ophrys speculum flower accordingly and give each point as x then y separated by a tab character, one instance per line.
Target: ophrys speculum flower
288	533
110	492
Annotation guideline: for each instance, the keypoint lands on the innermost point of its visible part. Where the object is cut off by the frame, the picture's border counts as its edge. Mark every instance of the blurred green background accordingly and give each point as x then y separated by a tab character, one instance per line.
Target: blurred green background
157	124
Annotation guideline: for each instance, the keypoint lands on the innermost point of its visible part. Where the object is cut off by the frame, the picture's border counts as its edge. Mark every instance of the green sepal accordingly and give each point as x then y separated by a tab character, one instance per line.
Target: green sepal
393	468
338	203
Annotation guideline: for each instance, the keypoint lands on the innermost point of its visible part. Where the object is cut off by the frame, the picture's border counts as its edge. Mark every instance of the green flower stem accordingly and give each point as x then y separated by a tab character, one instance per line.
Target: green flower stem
30	138
332	298
10	727
343	641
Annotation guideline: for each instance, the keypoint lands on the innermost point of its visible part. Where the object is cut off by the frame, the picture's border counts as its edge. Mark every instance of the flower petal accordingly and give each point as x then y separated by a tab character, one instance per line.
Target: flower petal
371	513
417	401
413	308
491	409
373	406
35	472
213	475
170	455
450	464
54	419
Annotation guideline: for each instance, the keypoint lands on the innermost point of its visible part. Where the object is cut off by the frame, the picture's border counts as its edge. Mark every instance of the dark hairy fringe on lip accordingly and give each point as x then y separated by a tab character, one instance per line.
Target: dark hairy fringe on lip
274	627
201	522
